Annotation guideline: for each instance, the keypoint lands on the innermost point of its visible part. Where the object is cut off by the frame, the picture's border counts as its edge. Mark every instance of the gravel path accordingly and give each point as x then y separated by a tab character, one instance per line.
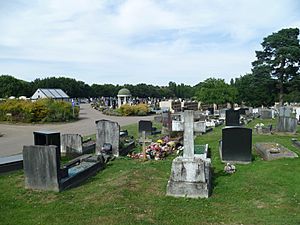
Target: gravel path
15	136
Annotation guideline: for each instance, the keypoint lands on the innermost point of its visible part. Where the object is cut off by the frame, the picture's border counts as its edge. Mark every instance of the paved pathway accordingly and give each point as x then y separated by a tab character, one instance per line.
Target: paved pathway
15	136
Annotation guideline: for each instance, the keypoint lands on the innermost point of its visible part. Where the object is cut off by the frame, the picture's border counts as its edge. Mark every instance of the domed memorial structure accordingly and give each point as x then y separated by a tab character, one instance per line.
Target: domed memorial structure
123	96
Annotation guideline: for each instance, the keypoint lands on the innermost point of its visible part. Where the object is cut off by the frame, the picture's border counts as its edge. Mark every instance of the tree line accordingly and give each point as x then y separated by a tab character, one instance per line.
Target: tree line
274	77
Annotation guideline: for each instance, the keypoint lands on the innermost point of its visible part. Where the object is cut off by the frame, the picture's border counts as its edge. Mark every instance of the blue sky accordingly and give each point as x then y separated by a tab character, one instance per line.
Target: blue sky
137	41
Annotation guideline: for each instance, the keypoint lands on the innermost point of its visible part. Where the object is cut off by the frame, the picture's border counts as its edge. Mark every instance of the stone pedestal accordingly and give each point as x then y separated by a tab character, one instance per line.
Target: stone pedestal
190	177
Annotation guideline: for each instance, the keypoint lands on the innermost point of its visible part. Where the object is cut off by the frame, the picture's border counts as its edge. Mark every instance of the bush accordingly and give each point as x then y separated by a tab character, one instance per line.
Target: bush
134	110
43	110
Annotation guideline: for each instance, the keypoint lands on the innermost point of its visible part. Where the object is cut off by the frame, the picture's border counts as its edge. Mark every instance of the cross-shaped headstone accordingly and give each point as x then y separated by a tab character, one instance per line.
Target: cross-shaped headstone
188	126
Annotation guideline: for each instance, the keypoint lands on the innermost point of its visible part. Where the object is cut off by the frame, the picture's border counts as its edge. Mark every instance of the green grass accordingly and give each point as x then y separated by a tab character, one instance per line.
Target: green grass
133	192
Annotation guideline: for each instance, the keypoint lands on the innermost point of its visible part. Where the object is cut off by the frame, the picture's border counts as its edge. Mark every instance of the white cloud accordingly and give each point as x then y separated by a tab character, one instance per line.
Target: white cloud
142	40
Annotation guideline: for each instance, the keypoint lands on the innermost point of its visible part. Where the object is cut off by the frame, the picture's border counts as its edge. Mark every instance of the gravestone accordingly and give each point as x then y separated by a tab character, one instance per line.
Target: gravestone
108	132
47	138
190	173
232	117
145	125
243	111
42	168
211	110
286	120
73	145
166	122
236	145
266	113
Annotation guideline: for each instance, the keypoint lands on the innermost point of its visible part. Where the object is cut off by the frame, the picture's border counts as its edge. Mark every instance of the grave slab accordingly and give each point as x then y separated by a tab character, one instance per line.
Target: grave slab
271	151
11	163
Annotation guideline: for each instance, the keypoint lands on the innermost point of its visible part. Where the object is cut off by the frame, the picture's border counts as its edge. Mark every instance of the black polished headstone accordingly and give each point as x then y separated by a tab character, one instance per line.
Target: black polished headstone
236	144
243	111
211	110
47	138
232	117
145	125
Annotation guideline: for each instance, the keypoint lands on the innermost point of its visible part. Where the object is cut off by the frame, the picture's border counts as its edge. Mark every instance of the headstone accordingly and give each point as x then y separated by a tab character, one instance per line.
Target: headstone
232	117
243	111
217	113
286	120
145	125
72	145
266	114
236	145
211	110
41	167
46	138
108	132
190	173
222	114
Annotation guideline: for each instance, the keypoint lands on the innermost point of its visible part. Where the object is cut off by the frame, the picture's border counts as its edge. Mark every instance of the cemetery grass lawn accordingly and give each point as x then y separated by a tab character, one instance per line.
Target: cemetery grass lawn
133	192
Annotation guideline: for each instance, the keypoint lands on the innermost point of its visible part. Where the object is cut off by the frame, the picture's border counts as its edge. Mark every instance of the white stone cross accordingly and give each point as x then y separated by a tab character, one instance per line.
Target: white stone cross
188	126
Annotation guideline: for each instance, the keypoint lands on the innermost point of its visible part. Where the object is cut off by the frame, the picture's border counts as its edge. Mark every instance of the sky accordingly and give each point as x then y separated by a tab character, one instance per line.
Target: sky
137	41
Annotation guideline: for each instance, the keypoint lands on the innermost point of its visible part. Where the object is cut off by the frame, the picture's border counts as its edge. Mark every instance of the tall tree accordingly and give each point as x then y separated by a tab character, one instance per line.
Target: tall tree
10	86
255	89
215	91
280	56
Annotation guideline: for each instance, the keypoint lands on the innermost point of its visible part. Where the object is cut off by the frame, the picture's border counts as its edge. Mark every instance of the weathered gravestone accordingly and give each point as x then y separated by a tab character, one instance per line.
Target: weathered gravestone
73	145
236	145
287	122
42	168
266	114
145	125
108	132
232	117
190	173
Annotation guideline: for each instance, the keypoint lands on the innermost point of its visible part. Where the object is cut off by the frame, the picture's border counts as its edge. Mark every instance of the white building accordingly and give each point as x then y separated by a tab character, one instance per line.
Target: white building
57	94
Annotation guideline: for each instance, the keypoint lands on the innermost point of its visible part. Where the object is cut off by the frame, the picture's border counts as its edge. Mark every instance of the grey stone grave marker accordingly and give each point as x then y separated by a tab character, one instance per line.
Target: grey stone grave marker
236	145
287	122
190	173
108	132
266	113
73	145
42	168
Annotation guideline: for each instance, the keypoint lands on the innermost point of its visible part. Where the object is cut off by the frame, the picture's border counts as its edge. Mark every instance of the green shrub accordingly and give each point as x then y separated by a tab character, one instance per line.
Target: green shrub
43	110
134	110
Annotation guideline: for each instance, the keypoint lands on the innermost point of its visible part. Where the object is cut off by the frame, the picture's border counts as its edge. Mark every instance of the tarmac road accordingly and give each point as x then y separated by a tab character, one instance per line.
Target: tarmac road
15	136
